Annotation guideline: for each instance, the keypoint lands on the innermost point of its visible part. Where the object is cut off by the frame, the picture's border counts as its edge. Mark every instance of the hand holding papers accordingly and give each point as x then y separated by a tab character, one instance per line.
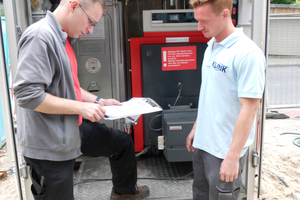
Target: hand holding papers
131	109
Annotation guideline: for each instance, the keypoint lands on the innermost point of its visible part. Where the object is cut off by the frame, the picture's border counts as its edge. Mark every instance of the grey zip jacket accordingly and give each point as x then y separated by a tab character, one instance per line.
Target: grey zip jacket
44	67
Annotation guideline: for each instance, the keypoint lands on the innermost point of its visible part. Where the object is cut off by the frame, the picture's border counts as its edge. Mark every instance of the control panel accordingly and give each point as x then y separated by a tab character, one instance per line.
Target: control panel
177	20
169	20
184	17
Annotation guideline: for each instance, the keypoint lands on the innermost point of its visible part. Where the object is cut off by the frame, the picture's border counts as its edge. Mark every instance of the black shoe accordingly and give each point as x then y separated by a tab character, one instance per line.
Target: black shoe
140	193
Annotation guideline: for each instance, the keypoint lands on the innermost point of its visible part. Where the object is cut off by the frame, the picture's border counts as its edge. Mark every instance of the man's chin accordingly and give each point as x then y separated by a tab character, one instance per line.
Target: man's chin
75	36
206	34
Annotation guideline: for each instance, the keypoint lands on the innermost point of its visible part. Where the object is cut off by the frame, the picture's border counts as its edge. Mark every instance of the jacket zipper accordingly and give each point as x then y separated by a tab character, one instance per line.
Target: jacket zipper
62	118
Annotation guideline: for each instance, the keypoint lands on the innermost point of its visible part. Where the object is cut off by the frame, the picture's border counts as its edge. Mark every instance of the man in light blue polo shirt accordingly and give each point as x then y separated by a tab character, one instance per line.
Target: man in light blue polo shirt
232	86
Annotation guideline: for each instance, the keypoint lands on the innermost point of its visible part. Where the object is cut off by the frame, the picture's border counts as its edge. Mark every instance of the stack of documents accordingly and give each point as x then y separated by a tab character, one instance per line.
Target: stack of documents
131	109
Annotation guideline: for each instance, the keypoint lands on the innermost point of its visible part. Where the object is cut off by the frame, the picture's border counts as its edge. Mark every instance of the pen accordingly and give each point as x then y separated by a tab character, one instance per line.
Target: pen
42	181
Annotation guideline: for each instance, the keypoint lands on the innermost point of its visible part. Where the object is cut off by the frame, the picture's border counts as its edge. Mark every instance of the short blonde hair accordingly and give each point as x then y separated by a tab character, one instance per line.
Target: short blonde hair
217	5
87	3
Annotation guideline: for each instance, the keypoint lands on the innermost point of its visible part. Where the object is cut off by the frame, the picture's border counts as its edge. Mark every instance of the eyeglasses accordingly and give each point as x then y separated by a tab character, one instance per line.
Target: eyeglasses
92	23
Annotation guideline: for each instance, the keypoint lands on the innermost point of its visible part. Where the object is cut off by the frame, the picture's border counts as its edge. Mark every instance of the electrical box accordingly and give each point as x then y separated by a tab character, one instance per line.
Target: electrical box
177	123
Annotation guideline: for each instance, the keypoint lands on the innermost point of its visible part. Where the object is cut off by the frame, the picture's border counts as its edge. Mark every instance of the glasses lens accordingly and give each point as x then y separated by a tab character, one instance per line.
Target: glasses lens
91	22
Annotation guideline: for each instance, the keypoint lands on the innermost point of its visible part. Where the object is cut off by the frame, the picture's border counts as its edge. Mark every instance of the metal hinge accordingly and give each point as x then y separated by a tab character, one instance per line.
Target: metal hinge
19	30
23	171
255	159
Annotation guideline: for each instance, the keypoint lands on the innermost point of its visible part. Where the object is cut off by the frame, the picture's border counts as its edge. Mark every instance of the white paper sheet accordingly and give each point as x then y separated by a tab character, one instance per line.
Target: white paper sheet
131	109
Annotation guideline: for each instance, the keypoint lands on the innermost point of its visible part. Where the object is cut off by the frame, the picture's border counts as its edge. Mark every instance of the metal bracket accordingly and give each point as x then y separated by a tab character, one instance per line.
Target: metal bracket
116	4
161	142
23	171
19	31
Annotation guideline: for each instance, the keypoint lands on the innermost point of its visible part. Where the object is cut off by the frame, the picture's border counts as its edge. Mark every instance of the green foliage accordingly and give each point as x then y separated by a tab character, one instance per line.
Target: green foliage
283	1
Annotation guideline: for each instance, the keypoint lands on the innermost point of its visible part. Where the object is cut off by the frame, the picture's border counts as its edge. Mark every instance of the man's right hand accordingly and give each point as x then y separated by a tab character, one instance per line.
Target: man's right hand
189	141
91	111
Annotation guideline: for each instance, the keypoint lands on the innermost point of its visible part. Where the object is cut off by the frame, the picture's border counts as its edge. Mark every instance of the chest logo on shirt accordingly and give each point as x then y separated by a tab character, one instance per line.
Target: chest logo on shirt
219	67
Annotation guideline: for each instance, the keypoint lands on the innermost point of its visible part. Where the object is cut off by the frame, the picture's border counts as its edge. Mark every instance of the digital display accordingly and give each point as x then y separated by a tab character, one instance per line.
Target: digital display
161	18
174	17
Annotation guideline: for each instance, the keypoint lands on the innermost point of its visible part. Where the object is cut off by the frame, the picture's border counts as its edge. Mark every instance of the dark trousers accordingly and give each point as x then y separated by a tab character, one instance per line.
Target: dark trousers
58	179
97	140
118	146
207	183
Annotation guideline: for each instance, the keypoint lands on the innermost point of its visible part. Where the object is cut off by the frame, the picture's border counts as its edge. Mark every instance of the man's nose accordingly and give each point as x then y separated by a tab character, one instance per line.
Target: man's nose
90	29
200	27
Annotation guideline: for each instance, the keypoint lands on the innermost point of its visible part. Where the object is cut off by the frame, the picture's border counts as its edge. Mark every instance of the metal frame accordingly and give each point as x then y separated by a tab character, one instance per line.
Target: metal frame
12	32
8	121
256	36
267	12
13	35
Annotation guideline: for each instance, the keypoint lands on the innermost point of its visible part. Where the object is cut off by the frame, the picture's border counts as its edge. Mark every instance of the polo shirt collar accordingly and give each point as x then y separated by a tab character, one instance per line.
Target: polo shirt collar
230	40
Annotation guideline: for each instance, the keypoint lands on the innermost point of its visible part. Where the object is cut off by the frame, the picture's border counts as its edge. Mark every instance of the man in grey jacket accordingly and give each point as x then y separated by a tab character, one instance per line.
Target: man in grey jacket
51	131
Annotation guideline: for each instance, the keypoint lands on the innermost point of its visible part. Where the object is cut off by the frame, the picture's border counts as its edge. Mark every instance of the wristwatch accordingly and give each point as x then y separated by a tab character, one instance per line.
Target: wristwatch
97	100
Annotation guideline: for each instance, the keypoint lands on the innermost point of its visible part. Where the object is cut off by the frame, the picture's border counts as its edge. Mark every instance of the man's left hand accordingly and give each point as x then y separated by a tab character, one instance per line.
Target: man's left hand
229	169
109	102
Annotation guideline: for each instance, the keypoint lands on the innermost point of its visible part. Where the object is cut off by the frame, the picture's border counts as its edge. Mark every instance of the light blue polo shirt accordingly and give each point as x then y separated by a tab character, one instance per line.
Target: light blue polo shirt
234	68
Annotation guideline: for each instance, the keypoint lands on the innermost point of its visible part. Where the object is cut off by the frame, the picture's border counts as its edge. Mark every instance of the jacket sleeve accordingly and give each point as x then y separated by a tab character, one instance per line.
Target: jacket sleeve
34	72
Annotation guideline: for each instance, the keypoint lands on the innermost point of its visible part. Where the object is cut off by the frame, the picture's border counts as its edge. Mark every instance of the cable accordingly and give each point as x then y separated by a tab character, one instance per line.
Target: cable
294	196
177	97
91	180
153	129
296	141
184	177
143	152
179	87
169	179
286	185
138	15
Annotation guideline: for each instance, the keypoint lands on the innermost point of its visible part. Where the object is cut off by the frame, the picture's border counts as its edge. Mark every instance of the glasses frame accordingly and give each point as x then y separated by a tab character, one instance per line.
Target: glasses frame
92	23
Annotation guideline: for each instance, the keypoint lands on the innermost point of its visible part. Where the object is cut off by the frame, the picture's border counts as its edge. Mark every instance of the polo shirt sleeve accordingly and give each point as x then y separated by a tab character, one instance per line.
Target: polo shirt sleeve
251	75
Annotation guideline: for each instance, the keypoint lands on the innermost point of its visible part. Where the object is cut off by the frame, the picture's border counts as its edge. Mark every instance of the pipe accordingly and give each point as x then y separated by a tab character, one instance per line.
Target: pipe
172	4
264	99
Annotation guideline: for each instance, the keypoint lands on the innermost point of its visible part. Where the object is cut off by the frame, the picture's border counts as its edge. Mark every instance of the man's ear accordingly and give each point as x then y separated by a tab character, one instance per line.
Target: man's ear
225	13
73	5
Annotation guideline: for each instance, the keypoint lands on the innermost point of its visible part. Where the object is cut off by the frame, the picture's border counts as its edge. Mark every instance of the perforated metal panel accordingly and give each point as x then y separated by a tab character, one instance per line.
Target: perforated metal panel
283	84
165	180
284	36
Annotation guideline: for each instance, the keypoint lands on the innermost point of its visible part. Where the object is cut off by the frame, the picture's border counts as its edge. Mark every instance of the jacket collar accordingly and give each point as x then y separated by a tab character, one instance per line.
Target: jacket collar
57	27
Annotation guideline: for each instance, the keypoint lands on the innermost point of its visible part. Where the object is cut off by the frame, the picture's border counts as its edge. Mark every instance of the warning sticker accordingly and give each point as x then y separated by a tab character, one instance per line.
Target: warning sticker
179	58
93	65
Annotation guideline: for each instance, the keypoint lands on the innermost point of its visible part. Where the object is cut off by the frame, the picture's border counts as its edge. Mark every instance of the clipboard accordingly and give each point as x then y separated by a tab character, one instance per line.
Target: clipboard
131	109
